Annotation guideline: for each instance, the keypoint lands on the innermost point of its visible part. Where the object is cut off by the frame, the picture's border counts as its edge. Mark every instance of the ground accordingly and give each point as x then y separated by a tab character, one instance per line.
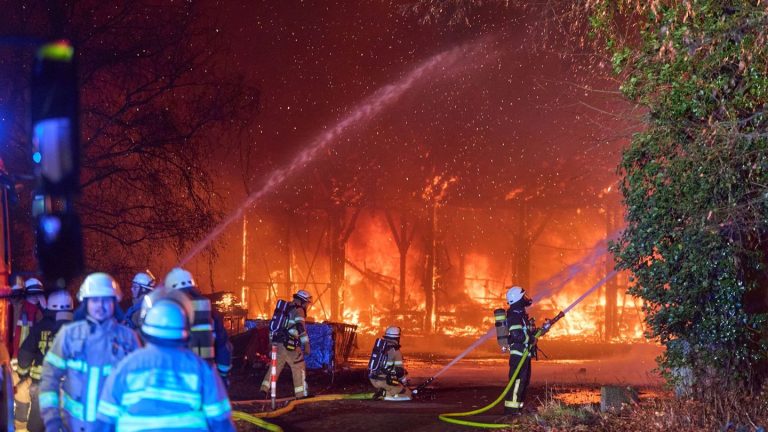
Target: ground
470	384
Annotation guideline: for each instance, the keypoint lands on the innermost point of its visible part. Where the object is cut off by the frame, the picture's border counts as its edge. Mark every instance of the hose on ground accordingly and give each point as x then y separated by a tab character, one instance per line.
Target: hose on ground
256	419
448	417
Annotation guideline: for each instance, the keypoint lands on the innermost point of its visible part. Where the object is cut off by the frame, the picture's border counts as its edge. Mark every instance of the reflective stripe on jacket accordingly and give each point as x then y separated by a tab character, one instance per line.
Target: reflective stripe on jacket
208	338
297	327
519	334
165	388
82	355
394	364
36	345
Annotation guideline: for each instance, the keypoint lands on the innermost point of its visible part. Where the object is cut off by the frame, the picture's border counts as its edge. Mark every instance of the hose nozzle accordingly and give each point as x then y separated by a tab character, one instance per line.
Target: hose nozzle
548	323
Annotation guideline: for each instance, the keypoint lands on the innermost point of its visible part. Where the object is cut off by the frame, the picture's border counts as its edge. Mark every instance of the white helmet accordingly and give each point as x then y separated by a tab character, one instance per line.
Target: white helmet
514	294
303	296
166	320
178	278
99	285
33	286
164	293
60	301
392	332
145	280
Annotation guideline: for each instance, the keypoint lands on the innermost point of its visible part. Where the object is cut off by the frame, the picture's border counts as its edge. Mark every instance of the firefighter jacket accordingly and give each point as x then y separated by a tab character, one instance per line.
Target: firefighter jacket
82	356
297	329
520	336
165	388
393	369
26	314
208	337
40	339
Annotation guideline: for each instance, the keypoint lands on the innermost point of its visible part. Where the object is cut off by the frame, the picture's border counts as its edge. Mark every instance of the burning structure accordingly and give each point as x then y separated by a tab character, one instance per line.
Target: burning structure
440	270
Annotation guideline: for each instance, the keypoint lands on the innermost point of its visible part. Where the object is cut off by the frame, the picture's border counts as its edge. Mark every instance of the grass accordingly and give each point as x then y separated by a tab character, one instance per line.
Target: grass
736	412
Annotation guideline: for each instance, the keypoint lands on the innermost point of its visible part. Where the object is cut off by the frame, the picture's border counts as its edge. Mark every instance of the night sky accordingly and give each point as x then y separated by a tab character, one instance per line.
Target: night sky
501	119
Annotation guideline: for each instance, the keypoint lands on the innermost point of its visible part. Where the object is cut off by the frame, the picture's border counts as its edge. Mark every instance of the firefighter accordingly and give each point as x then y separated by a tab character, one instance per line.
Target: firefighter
386	370
292	344
521	336
34	348
165	386
142	284
82	356
208	338
29	310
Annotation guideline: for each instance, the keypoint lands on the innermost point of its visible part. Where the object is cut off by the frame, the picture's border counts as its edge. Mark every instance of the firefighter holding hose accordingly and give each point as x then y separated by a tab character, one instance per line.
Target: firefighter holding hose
386	370
515	332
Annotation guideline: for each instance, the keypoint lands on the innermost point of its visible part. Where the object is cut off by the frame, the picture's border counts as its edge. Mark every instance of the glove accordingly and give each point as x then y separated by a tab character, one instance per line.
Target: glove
404	380
505	348
55	425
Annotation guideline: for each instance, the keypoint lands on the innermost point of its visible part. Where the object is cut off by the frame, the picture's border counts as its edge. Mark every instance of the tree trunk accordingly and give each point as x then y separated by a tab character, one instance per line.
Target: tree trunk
429	274
338	260
288	260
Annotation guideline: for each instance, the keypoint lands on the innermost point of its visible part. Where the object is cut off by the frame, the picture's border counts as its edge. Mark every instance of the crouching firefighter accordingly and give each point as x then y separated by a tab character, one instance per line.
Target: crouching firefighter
288	333
515	332
164	386
385	368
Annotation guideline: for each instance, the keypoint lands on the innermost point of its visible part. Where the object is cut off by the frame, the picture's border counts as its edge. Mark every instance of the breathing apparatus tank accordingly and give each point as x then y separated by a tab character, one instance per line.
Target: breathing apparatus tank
502	330
378	358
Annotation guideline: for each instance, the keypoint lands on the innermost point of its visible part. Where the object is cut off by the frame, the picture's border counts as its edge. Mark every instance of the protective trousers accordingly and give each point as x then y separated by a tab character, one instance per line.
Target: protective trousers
22	400
294	359
35	422
516	395
390	389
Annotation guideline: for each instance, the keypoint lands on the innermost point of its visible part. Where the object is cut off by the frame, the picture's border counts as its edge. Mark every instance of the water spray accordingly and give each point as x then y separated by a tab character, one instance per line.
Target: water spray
357	117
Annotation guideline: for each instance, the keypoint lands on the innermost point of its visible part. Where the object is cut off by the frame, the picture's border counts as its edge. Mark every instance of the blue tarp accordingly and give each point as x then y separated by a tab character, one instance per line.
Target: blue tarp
320	340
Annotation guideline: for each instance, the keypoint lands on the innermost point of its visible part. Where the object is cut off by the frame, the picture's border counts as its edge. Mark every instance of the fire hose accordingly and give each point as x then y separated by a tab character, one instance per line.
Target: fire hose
256	419
449	417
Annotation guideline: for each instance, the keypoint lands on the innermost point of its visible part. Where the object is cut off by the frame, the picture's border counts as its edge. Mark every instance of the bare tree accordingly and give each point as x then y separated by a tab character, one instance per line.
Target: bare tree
151	96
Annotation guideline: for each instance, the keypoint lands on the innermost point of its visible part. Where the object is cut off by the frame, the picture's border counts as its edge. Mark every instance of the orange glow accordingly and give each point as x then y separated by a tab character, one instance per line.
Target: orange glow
470	286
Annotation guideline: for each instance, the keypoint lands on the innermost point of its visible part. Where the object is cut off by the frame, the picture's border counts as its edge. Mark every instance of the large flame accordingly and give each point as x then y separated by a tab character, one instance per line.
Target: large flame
466	298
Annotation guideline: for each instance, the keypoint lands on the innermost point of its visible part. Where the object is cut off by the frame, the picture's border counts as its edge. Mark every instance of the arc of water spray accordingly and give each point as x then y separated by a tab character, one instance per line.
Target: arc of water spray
359	115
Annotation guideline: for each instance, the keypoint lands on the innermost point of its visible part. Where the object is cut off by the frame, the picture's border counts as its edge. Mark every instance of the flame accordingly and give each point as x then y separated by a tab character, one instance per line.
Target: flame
370	293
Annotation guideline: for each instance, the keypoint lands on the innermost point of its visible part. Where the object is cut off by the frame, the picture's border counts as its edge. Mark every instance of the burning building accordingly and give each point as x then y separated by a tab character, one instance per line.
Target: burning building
441	270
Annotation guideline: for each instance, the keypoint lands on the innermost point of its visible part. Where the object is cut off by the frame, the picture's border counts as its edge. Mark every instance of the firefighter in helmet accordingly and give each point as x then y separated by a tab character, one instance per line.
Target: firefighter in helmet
142	284
81	357
521	337
292	344
164	385
208	338
32	351
29	309
386	370
29	312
